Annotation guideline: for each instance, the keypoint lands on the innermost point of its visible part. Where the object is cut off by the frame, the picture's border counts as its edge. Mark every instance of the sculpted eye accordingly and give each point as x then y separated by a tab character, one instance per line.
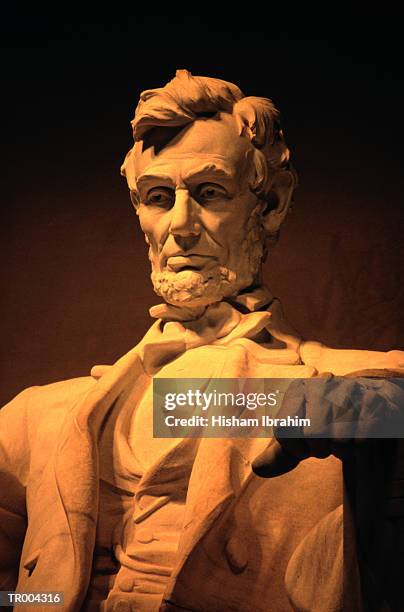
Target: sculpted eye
207	192
160	196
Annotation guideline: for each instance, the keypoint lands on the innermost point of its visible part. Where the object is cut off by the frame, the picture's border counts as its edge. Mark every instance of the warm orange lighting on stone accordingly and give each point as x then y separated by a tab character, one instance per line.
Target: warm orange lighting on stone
91	503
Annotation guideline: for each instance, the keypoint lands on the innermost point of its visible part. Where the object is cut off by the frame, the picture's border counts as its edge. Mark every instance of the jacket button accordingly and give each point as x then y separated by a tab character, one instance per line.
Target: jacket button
127	584
236	554
144	536
142	502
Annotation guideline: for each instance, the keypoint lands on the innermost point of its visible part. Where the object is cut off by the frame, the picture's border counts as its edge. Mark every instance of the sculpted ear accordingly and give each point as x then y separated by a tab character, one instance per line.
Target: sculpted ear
278	201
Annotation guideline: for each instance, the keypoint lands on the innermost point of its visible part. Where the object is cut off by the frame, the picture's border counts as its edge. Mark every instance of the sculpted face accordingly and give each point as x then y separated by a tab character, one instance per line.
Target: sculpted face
200	218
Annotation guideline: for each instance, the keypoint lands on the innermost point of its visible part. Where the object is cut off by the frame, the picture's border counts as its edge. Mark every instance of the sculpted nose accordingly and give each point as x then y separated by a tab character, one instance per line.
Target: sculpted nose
184	225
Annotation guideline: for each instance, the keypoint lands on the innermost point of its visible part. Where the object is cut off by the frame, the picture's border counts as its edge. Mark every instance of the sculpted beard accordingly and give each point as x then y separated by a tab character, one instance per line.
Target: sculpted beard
197	287
190	286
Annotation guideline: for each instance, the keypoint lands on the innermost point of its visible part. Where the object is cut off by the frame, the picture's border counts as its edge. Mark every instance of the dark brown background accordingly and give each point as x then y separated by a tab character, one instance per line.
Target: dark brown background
76	289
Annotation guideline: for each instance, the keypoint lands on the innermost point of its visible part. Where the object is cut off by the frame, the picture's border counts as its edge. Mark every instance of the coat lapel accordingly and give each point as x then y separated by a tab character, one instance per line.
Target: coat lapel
77	464
221	471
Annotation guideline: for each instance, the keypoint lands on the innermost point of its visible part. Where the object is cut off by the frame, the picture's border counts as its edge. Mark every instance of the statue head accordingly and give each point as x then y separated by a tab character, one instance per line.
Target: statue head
211	181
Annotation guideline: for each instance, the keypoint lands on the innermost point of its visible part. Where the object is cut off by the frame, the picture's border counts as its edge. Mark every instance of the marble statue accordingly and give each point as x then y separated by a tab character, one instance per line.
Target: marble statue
91	503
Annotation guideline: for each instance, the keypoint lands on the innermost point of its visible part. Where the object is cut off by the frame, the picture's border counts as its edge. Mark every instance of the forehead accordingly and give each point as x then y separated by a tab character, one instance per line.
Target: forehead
205	142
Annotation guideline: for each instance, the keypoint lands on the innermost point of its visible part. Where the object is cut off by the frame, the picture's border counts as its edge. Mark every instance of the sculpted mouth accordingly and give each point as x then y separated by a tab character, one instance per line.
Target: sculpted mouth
177	263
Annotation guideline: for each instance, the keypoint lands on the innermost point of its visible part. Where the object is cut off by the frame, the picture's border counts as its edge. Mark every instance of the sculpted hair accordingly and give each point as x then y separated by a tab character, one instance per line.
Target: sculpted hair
187	97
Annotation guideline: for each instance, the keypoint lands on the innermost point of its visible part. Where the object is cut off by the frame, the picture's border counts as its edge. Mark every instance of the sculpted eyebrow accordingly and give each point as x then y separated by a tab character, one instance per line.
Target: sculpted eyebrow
211	169
152	177
145	178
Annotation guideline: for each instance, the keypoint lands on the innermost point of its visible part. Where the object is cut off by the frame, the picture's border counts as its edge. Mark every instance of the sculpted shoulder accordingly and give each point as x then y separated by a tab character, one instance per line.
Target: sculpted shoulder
61	393
30	424
45	403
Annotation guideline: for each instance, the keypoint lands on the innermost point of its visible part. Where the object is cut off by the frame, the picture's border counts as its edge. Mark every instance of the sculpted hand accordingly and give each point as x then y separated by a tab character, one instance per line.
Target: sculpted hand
343	413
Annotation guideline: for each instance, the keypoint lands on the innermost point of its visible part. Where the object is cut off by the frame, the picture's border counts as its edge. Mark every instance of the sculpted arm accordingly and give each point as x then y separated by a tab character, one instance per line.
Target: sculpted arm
14	467
344	413
346	361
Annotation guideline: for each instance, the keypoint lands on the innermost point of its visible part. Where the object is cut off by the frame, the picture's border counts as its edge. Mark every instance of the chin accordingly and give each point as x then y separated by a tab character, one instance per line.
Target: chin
195	288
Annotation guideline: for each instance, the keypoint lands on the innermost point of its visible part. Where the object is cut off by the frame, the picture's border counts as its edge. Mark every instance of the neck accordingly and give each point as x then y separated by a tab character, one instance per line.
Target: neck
250	299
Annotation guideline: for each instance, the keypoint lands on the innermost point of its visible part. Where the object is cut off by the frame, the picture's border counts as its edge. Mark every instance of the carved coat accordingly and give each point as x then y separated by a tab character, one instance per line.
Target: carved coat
245	540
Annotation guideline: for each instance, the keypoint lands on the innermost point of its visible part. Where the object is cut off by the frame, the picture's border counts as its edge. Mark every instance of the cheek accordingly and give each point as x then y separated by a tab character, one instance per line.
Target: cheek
154	224
228	227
